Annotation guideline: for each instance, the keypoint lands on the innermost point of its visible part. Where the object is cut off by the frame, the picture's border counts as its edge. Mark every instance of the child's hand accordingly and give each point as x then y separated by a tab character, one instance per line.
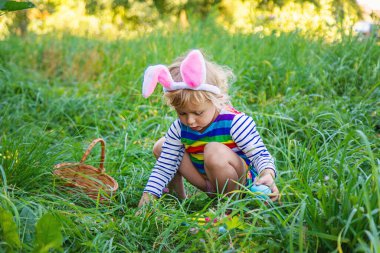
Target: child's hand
145	199
266	177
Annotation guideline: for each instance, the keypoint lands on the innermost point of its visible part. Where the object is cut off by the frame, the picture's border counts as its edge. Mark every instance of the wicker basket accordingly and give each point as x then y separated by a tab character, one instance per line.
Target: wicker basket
92	181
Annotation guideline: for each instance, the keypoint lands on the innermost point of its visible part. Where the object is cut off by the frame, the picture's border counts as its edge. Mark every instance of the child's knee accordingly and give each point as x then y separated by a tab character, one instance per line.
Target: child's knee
157	147
214	153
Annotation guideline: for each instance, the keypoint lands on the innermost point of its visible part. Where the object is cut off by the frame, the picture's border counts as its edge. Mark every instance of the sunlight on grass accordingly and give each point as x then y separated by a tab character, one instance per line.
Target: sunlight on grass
315	104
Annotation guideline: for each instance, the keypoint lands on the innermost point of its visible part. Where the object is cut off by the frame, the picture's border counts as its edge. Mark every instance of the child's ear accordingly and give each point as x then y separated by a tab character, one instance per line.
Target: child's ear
193	69
153	75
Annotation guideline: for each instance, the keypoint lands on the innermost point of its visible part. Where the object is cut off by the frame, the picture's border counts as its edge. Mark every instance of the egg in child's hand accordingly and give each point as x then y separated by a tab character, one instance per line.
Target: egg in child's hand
261	188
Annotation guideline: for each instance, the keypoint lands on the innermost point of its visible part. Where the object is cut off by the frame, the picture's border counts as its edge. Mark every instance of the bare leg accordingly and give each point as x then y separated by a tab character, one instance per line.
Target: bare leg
223	167
191	174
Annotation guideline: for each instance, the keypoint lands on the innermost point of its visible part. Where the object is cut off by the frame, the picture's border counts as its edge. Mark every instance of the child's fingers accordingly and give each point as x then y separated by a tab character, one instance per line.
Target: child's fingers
268	181
275	192
265	179
139	212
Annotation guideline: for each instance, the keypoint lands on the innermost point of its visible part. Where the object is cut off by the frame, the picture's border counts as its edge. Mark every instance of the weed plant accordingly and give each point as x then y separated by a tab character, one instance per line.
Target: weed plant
316	105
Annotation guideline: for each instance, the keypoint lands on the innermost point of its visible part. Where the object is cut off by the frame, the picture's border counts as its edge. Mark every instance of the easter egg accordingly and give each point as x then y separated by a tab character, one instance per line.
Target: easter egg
260	188
185	224
263	190
222	230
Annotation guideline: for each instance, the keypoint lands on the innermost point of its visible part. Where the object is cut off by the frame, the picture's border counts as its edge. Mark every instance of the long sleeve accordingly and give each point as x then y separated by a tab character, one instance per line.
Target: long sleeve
168	163
245	135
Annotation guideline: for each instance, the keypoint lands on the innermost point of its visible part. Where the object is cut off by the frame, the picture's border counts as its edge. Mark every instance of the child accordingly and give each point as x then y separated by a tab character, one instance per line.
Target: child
211	145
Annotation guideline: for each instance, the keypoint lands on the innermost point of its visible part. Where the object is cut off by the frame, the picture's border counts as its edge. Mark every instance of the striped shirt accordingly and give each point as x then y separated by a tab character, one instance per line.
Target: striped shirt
234	129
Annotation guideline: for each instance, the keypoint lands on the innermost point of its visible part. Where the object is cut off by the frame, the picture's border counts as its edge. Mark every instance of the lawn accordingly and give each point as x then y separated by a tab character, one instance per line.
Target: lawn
316	104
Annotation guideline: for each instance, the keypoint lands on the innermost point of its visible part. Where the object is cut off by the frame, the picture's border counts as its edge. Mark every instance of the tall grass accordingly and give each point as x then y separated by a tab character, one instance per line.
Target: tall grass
316	105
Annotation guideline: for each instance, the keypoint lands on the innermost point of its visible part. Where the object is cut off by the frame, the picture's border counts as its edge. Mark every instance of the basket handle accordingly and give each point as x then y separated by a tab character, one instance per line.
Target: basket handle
102	154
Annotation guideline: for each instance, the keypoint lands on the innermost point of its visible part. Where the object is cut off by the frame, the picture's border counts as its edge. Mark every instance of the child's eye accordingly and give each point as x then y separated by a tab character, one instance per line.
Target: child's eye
198	113
182	113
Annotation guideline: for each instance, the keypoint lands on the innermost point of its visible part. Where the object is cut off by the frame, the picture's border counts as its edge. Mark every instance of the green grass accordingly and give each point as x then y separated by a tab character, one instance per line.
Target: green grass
316	105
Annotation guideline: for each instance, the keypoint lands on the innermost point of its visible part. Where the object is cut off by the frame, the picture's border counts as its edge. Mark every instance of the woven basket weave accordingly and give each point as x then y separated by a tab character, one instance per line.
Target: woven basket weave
92	181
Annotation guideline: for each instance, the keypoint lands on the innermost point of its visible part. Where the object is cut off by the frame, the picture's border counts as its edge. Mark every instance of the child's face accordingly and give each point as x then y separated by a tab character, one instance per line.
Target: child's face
197	116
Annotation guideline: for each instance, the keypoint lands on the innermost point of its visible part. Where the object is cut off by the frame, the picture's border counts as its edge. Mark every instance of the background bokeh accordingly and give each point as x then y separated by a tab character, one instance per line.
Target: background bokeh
112	19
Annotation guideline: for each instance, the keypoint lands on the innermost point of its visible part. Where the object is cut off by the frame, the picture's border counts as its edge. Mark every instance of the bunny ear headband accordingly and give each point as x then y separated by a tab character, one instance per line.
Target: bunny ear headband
193	72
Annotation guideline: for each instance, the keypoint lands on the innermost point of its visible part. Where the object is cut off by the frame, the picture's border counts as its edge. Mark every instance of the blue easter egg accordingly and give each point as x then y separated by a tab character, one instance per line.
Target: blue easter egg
185	224
263	189
222	230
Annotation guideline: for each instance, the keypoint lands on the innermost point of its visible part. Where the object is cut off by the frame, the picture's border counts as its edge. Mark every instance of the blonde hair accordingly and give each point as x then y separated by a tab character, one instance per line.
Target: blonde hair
220	76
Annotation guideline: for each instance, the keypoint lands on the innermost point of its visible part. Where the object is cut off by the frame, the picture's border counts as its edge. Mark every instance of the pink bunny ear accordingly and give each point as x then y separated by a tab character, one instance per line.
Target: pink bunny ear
193	69
153	75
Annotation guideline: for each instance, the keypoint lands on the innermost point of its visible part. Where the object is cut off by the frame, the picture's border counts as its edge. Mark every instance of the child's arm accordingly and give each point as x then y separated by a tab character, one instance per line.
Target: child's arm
245	135
166	165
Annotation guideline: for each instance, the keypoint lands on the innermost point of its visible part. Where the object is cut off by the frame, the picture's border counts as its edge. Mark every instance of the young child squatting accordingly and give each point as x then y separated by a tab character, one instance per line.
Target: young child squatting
212	145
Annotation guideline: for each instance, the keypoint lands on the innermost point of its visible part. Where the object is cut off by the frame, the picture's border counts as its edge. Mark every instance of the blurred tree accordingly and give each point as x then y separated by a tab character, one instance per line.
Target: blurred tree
182	9
124	3
201	7
92	6
20	19
167	8
272	3
340	9
20	24
164	7
128	15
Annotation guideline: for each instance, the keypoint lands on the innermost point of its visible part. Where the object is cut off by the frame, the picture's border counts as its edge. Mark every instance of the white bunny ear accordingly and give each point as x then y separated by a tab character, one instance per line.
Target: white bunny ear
153	75
193	69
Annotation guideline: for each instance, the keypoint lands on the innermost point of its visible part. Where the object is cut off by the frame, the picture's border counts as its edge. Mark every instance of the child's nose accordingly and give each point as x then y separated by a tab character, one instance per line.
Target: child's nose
190	120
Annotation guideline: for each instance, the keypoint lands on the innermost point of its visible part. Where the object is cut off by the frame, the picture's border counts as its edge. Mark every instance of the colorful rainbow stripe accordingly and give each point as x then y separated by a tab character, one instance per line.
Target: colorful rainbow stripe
218	131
